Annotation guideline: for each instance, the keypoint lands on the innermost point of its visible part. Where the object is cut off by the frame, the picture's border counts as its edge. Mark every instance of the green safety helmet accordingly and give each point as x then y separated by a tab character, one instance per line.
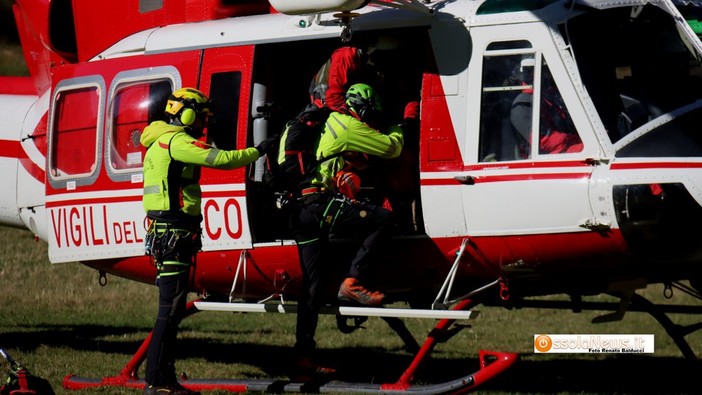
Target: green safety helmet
361	99
186	104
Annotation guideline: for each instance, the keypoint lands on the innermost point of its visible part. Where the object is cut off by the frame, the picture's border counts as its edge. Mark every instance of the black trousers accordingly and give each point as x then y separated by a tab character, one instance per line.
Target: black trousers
173	286
160	357
315	218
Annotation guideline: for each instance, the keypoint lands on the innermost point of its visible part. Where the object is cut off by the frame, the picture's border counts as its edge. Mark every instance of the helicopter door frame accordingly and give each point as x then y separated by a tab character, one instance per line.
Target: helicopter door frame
225	76
537	193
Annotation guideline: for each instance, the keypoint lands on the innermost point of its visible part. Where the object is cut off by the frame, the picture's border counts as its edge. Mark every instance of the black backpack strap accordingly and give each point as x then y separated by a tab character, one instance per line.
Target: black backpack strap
169	144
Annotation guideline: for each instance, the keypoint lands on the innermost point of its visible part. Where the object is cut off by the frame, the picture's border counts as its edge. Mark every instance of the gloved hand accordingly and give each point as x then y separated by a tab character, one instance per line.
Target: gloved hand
264	146
411	110
347	183
410	121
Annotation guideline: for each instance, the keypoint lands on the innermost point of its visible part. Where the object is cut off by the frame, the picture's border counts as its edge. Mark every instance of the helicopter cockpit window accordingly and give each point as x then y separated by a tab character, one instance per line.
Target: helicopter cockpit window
636	67
73	140
511	79
133	107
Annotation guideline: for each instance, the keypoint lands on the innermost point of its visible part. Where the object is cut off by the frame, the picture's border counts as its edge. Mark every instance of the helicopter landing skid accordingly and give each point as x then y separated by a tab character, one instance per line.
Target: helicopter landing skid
491	365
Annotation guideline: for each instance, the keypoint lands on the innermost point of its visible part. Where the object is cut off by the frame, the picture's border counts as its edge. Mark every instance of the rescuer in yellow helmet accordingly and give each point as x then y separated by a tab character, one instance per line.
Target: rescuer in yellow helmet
172	201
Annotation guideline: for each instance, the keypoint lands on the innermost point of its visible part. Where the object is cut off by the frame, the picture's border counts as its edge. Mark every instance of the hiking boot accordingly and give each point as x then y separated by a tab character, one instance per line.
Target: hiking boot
175	389
352	291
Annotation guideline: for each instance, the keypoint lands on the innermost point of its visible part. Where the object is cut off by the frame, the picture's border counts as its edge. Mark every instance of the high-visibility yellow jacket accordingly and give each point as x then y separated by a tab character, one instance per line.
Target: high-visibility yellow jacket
172	167
345	133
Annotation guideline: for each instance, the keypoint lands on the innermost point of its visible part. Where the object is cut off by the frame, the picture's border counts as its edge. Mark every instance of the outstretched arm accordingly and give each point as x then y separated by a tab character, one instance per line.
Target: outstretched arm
186	149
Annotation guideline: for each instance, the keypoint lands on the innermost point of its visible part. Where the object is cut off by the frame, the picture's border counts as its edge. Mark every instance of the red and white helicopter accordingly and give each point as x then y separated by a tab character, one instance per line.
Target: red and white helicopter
605	198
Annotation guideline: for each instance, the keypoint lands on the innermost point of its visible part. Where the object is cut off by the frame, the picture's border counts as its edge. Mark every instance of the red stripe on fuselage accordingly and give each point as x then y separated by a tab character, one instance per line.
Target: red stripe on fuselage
9	149
94	200
14	85
123	199
505	178
526	165
13	149
656	165
530	177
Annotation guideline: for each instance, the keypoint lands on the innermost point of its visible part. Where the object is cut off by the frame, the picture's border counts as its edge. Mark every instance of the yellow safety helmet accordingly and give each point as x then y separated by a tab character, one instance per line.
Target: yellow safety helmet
186	104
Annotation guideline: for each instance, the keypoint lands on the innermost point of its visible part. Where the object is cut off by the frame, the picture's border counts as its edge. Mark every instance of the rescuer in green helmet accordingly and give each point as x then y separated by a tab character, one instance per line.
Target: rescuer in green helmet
327	205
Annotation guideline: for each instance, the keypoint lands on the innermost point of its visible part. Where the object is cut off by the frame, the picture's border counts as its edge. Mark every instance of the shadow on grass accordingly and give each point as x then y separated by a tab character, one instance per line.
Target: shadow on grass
78	337
274	360
623	374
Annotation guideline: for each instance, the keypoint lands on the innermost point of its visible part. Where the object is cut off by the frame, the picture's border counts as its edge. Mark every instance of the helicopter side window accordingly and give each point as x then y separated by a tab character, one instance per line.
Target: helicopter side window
134	106
557	133
503	83
509	113
73	139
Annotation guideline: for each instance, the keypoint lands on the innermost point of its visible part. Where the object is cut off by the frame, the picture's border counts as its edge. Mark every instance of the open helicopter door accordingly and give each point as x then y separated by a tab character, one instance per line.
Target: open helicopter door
280	90
517	181
226	78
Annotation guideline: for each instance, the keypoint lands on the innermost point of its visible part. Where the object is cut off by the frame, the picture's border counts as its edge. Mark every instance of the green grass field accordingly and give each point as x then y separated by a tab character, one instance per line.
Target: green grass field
57	320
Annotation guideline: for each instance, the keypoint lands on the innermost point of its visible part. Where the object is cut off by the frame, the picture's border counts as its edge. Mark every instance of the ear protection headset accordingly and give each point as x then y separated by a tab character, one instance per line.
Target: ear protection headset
187	116
186	104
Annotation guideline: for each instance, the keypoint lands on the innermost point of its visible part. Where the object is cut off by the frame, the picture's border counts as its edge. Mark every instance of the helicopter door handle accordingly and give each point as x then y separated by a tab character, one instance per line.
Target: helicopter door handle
596	161
596	225
466	180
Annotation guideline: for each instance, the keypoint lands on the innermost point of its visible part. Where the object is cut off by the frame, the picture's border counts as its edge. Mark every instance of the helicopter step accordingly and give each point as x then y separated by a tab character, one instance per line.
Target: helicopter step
338	310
